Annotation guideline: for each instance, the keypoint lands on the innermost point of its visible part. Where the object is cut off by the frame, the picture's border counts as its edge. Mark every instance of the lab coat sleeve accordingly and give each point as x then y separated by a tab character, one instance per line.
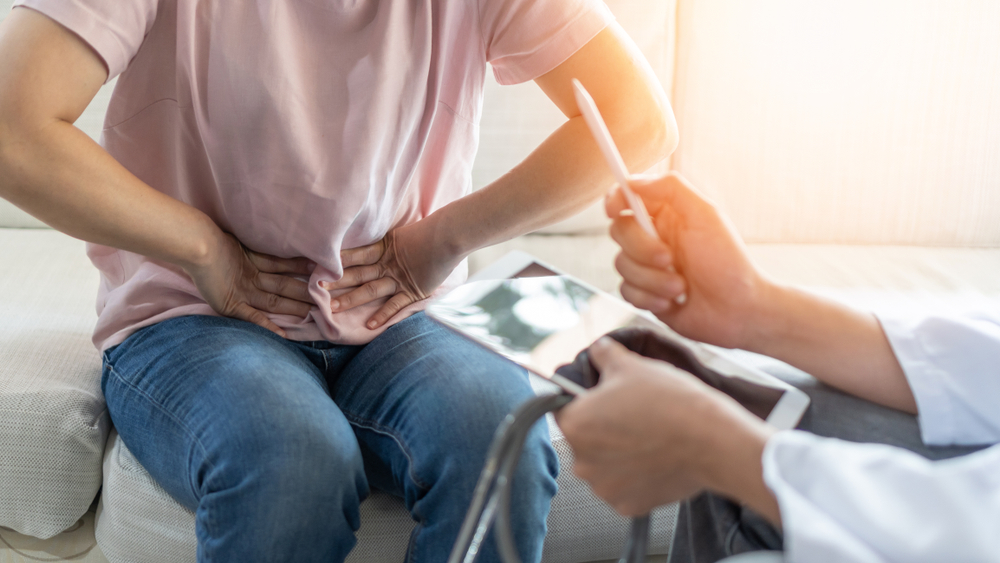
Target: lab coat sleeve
953	367
864	503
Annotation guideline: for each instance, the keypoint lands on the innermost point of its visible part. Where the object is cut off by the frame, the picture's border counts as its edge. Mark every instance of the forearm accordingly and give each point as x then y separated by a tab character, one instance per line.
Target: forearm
560	178
843	347
732	458
59	175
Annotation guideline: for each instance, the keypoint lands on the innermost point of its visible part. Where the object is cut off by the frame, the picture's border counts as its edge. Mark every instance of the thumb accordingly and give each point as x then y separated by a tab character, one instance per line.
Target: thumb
607	356
674	191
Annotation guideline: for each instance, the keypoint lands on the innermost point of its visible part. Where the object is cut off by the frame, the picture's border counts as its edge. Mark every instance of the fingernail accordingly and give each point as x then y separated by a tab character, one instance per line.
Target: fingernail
603	342
372	324
324	285
660	304
311	267
334	305
663	260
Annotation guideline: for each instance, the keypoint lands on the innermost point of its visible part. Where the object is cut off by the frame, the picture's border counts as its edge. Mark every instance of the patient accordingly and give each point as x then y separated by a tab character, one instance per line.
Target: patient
650	434
279	186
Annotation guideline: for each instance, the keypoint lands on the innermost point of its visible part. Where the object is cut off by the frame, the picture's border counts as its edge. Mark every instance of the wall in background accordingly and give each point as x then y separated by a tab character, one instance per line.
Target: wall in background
856	121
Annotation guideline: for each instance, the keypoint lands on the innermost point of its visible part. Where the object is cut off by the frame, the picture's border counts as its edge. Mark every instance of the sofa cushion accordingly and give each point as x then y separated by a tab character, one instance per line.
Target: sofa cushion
53	420
138	522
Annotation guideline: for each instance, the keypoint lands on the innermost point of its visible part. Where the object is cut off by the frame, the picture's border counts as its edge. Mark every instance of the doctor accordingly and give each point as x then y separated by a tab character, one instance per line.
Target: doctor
650	434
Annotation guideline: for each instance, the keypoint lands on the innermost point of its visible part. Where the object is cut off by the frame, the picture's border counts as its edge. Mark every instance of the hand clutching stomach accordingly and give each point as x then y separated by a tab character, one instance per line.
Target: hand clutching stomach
405	267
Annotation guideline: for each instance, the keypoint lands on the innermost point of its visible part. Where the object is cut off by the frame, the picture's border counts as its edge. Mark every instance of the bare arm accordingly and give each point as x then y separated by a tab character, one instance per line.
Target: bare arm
732	304
562	176
57	173
567	172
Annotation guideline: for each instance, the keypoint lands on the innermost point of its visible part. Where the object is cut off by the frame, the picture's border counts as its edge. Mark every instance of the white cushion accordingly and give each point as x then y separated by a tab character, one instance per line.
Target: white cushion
53	420
138	522
844	120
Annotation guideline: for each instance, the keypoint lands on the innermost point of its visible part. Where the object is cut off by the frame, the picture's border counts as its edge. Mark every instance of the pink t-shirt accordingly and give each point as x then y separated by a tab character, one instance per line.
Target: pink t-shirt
302	126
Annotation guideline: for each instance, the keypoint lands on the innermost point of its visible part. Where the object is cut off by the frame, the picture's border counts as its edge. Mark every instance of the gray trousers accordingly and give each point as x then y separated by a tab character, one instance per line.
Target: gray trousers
711	527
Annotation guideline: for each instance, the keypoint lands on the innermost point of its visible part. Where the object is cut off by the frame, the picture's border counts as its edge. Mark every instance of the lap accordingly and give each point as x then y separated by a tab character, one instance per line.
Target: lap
196	392
189	388
425	393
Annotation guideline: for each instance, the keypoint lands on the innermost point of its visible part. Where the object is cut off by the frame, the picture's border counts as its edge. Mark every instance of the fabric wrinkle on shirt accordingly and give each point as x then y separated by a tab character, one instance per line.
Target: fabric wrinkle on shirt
302	127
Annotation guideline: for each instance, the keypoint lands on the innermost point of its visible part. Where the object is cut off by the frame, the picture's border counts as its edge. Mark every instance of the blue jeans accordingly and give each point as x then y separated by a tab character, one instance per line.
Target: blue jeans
274	443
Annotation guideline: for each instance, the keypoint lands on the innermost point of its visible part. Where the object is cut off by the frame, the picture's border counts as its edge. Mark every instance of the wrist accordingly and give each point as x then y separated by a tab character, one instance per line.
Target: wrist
202	247
734	467
444	234
769	318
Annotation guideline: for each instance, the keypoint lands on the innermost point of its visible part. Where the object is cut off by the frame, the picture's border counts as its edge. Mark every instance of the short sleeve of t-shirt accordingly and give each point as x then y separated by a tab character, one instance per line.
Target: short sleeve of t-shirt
113	28
524	39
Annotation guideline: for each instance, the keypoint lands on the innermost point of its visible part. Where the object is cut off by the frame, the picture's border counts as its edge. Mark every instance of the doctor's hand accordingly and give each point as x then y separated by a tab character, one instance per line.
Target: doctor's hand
405	266
650	434
698	253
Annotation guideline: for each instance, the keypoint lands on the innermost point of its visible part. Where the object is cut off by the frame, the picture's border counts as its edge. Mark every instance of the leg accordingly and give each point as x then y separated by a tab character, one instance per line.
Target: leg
236	424
425	404
710	527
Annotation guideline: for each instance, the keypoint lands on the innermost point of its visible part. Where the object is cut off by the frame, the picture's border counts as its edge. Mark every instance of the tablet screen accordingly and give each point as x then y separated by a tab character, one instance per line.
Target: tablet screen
539	319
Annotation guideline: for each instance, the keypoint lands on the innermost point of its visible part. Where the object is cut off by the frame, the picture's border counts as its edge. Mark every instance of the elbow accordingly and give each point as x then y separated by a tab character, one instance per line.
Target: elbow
650	135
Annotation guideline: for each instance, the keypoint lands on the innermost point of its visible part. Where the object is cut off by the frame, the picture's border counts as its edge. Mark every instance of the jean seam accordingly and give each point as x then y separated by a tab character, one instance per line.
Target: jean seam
410	552
156	404
379	429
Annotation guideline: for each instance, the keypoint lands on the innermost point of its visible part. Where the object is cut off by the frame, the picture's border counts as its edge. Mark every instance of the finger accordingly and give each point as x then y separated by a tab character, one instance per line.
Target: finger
284	286
247	313
393	306
275	265
606	354
673	190
363	255
355	276
615	203
382	287
662	283
641	247
274	303
645	300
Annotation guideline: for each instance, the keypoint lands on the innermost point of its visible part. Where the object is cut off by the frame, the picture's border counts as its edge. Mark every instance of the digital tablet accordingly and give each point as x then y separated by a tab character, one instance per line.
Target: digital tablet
530	313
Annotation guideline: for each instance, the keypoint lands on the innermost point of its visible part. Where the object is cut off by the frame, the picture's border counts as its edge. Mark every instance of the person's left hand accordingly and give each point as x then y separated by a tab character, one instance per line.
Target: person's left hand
405	266
649	434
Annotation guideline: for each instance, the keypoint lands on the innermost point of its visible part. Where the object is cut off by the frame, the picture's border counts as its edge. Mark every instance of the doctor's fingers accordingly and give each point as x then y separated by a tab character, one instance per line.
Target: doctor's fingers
639	246
667	284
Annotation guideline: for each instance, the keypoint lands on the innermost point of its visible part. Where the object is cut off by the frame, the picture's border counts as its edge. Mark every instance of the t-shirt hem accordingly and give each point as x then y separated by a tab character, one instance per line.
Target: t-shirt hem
553	52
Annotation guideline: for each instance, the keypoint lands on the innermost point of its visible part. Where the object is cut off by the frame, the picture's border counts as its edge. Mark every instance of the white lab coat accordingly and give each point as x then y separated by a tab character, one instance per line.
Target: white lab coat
859	503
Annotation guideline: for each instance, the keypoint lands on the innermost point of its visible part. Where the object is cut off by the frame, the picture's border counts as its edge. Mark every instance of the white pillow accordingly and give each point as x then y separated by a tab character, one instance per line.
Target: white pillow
53	420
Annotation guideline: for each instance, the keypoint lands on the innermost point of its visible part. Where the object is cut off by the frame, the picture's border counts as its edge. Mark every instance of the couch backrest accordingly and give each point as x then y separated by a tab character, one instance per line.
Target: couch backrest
844	120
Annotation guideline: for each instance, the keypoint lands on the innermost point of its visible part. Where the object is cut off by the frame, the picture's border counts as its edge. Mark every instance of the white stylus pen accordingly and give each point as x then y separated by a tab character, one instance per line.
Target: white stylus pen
599	130
603	137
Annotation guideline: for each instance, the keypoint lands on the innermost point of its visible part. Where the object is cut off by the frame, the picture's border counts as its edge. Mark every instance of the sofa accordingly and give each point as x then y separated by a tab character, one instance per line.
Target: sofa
856	146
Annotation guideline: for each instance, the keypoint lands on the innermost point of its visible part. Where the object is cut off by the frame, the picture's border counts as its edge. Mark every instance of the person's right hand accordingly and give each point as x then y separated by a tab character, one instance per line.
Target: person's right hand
240	283
698	254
